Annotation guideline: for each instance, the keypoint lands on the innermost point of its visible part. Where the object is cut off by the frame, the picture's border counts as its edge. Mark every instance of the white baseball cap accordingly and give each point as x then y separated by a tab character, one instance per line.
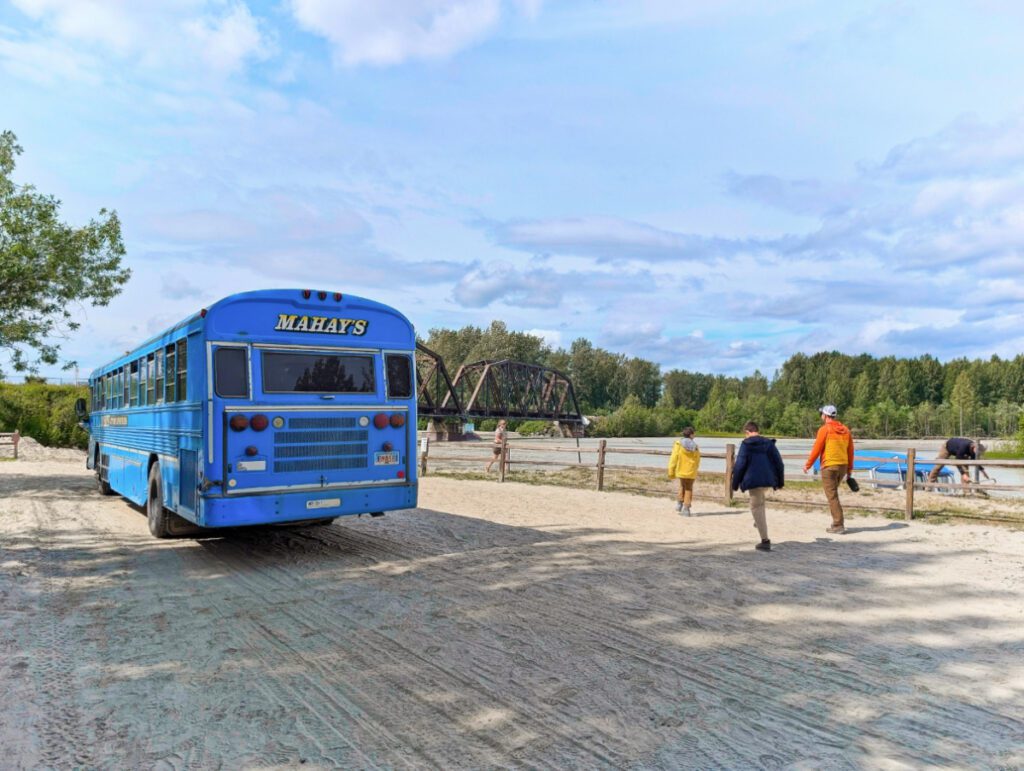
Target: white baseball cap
830	410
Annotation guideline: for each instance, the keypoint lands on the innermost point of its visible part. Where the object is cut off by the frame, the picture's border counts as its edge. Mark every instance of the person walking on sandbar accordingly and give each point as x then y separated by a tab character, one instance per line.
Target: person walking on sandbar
758	469
683	465
834	446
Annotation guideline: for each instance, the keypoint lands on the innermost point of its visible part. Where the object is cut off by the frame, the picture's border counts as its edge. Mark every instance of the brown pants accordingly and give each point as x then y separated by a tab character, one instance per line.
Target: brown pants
831	477
933	475
686	491
757	509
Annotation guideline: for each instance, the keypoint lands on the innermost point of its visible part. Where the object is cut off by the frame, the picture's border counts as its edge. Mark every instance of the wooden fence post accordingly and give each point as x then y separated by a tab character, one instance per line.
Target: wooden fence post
15	438
504	457
911	479
602	445
730	461
424	455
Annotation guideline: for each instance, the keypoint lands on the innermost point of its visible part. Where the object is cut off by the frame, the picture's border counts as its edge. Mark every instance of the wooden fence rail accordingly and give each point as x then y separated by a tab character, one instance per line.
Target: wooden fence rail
911	466
11	440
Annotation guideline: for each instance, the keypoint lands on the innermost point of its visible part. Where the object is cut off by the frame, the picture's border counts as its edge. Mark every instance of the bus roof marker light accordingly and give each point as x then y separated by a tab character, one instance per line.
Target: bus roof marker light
322	295
337	297
380	420
306	294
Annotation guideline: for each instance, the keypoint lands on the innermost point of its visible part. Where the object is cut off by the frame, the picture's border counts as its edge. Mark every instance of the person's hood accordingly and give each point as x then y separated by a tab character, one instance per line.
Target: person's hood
758	443
688	444
835	427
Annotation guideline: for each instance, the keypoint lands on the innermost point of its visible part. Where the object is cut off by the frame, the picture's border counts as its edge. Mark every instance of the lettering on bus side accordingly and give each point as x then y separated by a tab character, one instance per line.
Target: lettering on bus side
328	325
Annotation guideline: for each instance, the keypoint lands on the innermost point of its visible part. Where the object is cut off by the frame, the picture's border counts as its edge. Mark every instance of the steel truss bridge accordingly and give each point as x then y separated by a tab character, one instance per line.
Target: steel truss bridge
494	389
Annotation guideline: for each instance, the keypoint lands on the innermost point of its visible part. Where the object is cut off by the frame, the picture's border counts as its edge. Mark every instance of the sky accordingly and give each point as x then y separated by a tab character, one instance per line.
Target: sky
711	185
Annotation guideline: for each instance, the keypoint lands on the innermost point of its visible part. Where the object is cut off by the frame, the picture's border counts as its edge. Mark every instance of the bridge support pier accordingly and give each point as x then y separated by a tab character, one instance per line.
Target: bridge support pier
442	430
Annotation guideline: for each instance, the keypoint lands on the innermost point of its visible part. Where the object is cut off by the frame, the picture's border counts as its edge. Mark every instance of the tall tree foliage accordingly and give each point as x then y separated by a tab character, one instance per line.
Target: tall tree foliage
876	396
48	269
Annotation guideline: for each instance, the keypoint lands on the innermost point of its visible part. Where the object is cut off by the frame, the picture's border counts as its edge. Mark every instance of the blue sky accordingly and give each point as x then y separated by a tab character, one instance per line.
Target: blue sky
711	185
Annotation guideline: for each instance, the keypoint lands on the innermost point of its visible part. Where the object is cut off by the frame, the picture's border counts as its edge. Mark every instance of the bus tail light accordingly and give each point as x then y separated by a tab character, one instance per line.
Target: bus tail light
380	420
397	420
238	422
401	475
251	450
259	422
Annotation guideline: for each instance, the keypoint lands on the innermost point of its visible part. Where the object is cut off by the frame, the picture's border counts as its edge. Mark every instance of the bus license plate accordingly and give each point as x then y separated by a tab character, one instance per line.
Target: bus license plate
385	458
323	503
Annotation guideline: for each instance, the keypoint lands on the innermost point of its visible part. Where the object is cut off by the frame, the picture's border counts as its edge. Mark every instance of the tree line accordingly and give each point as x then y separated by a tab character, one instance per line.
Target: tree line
877	397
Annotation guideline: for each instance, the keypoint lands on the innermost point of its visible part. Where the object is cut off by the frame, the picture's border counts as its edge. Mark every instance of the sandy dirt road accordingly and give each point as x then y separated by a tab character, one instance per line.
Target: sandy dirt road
503	626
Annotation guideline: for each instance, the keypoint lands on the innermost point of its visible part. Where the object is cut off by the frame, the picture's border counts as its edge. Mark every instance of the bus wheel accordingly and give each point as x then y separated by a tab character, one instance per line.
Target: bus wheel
101	484
155	511
164	523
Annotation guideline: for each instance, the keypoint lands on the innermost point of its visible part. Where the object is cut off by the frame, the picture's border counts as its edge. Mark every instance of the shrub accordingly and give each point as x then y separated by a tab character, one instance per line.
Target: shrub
44	412
534	428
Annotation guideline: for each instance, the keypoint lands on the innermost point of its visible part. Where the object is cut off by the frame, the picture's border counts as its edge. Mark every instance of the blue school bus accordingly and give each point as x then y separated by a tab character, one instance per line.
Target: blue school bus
277	406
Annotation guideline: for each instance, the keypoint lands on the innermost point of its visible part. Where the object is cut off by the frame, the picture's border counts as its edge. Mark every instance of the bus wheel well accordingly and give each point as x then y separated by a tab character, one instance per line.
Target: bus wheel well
152	459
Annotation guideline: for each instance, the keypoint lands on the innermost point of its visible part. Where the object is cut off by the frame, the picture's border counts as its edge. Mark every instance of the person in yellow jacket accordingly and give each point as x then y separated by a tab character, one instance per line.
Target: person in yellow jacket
683	465
834	446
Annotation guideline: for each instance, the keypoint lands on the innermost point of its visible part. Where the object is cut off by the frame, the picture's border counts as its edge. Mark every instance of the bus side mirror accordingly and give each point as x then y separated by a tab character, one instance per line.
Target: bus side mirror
80	410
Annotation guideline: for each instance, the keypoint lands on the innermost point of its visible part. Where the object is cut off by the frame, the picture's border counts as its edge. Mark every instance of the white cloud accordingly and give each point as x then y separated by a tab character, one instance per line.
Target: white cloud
198	37
387	32
227	42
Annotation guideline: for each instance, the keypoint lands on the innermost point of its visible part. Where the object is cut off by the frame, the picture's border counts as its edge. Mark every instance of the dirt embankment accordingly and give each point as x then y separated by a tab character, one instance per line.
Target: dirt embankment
508	626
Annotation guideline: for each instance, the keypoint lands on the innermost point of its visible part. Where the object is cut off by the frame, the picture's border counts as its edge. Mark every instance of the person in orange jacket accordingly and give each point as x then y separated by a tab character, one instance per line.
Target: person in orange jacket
834	446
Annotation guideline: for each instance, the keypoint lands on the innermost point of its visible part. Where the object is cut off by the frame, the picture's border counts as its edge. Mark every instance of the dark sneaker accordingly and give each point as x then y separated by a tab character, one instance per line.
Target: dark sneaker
836	530
765	545
679	507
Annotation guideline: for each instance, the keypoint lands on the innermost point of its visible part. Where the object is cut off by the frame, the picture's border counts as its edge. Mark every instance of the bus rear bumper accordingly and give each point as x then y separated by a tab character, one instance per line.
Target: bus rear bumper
295	507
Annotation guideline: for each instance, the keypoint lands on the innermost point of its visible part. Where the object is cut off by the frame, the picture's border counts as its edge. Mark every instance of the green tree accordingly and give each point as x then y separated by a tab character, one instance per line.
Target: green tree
963	400
47	268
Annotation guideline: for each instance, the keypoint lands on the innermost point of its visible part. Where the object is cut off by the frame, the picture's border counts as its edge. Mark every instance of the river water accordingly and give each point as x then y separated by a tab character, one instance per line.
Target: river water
799	448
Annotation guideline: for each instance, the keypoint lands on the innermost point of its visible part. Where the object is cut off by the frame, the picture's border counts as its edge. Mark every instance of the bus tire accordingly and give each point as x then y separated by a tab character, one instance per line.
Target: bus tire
164	523
101	484
157	515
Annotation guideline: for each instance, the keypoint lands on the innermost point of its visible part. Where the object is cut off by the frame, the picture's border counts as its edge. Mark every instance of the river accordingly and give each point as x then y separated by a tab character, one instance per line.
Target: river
925	449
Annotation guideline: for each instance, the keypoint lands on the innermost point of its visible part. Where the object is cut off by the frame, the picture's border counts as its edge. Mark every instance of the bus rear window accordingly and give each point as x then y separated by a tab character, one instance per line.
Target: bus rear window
319	372
399	376
231	375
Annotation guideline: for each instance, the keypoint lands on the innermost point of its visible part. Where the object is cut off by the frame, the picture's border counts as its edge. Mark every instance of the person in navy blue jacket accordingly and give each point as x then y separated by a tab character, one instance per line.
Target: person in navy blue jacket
758	468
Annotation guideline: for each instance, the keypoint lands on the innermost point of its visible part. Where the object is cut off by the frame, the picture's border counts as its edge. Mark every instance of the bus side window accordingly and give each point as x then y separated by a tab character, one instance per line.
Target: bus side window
169	395
399	374
150	380
182	360
126	384
159	387
143	381
231	376
134	387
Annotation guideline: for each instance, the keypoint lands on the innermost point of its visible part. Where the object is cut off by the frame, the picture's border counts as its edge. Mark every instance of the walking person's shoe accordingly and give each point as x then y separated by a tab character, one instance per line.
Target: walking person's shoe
840	530
765	545
679	507
687	512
